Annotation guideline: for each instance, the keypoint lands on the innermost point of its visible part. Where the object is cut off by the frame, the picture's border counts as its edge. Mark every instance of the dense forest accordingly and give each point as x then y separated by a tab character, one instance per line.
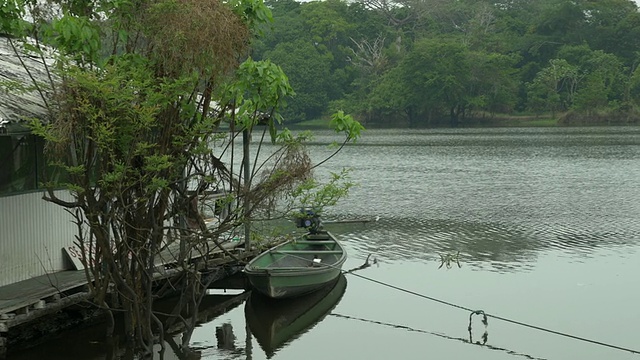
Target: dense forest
458	62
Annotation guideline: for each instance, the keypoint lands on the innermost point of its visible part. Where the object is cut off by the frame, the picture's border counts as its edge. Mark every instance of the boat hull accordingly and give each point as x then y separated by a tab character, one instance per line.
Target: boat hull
280	284
297	267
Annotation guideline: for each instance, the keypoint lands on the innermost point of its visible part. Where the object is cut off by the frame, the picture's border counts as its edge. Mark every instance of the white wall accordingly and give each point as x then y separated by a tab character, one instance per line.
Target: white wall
32	235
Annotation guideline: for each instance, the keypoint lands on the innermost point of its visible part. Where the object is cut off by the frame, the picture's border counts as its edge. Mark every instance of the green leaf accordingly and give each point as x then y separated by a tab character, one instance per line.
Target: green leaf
343	123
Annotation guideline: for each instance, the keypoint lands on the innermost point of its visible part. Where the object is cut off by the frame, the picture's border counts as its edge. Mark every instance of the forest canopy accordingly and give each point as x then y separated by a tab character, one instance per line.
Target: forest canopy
462	62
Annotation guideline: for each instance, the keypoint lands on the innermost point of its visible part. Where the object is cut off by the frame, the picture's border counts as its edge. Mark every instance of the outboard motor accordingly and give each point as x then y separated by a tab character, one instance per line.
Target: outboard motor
309	220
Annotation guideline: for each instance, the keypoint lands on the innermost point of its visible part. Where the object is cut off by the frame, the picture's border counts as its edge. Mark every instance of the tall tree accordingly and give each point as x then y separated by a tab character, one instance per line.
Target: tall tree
308	67
554	87
443	78
137	98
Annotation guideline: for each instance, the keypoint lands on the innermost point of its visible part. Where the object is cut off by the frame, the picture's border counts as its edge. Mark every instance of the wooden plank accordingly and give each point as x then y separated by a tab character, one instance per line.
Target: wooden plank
29	292
48	309
43	286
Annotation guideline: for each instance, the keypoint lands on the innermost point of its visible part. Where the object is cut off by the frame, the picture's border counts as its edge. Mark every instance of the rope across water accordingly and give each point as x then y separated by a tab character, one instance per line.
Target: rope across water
494	316
472	311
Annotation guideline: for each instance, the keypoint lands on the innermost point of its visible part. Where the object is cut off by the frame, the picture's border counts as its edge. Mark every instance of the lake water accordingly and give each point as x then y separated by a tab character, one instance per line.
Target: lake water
546	225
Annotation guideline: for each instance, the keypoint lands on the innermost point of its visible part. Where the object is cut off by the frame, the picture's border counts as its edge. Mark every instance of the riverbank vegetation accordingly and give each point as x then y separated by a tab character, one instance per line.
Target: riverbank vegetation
459	63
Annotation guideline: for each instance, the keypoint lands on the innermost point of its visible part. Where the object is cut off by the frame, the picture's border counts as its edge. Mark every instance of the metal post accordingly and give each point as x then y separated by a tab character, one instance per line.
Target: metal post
247	186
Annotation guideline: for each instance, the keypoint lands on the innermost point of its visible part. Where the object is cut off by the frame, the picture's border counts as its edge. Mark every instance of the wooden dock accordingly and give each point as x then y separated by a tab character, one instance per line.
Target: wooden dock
30	299
26	301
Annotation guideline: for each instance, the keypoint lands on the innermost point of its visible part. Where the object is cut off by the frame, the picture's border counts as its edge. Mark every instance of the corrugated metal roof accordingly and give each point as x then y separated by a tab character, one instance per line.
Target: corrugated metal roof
17	106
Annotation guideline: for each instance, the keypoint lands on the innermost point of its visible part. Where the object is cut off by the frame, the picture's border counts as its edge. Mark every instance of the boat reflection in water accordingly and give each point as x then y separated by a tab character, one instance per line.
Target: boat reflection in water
275	323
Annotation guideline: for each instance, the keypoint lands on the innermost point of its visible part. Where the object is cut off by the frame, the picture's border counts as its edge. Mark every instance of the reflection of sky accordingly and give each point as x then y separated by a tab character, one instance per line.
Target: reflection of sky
534	247
499	196
595	299
546	224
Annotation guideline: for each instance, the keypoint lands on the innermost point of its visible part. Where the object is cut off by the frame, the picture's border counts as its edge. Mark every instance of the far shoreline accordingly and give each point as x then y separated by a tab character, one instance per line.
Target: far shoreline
567	119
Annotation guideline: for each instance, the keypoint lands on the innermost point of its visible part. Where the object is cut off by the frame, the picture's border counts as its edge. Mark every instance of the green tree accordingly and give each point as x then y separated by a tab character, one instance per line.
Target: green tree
613	26
633	87
443	78
308	68
390	99
437	74
603	82
287	26
493	84
137	98
554	87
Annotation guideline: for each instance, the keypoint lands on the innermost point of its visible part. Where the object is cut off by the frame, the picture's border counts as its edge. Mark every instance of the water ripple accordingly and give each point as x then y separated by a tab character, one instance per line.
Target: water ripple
498	197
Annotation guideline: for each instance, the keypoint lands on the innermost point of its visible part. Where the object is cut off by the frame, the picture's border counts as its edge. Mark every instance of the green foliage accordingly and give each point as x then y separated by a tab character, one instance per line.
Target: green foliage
311	41
446	77
254	13
447	60
554	86
593	95
261	89
344	123
76	36
390	94
136	94
285	136
12	14
583	80
15	87
313	195
309	73
325	21
634	86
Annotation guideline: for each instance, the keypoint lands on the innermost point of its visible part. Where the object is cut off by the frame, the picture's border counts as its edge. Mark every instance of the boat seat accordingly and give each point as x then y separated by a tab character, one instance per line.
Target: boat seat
314	242
317	237
308	252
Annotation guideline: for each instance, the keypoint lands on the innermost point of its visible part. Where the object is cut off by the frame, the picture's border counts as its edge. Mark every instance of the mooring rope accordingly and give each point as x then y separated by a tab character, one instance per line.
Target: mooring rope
540	328
473	312
412	329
